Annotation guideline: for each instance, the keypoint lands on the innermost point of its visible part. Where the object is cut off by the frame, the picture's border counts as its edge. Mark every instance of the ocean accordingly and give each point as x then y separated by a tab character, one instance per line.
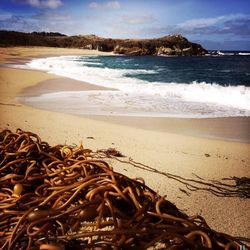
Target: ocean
151	86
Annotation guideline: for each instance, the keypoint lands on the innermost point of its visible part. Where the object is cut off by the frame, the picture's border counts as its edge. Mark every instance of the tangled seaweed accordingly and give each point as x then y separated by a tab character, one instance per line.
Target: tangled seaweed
63	197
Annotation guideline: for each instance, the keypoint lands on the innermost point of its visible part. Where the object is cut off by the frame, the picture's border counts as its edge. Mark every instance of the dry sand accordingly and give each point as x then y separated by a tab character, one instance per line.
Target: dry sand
160	147
24	54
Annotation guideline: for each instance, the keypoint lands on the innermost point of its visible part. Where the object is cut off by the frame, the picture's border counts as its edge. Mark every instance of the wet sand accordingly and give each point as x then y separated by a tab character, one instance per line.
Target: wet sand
229	128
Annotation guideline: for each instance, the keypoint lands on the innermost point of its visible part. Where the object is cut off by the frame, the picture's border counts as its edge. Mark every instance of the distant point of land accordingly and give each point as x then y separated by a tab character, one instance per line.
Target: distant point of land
171	45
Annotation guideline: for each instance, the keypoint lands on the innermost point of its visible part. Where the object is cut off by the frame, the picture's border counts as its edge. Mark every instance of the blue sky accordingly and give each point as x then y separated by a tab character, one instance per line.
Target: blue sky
216	24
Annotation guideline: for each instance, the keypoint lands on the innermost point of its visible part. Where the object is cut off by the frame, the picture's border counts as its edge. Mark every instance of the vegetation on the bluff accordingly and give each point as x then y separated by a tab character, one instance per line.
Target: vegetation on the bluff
167	45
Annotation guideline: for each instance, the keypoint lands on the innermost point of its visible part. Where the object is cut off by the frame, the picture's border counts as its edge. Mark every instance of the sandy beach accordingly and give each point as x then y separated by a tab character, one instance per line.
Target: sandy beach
210	148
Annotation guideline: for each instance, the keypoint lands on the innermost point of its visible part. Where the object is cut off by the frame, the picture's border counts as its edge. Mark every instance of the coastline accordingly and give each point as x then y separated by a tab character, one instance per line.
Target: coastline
165	150
15	55
231	129
221	128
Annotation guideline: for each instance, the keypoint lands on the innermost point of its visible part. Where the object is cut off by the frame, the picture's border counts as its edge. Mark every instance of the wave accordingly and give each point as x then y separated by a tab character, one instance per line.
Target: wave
220	53
128	104
125	80
244	54
227	53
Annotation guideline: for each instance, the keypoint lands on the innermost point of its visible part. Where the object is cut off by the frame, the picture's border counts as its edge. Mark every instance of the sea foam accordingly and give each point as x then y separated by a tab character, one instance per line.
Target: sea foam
195	99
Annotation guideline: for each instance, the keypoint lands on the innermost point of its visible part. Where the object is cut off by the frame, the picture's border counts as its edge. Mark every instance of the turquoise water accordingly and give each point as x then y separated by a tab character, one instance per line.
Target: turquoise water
223	70
195	87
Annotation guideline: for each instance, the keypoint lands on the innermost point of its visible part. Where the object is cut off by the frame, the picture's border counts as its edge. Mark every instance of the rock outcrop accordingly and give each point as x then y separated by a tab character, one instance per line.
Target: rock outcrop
134	51
172	45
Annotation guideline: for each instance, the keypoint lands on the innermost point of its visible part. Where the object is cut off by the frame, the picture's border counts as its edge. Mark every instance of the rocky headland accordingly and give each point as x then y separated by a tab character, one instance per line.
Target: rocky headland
171	45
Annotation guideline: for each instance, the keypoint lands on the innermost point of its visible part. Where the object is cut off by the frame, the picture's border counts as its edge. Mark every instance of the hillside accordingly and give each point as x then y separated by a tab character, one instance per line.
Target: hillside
167	45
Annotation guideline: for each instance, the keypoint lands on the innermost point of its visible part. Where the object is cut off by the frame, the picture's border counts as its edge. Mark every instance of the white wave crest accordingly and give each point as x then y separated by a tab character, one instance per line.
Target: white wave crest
207	93
244	53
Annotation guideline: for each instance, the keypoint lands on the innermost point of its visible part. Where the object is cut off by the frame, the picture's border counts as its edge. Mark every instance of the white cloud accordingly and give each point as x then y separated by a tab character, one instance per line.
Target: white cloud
94	5
52	4
107	5
48	22
227	25
144	19
19	23
236	24
5	15
206	22
52	16
113	5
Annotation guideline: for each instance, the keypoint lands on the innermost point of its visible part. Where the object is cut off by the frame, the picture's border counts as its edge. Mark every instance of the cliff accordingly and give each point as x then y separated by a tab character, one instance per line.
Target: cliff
168	45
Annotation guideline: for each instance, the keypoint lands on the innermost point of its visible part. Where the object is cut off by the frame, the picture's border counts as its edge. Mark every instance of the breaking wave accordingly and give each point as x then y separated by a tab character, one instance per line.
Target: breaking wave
193	99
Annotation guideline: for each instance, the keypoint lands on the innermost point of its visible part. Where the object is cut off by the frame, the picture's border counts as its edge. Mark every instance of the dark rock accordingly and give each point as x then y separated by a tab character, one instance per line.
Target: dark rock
133	51
172	45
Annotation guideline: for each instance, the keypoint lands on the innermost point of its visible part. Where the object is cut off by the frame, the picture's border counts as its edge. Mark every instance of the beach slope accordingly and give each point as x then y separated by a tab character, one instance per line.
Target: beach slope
163	150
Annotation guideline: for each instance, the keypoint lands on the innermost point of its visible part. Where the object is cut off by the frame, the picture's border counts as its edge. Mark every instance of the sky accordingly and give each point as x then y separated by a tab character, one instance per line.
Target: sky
215	24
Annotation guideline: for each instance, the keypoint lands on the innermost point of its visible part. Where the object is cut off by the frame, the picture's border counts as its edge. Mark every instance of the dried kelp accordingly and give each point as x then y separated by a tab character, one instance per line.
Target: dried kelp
64	197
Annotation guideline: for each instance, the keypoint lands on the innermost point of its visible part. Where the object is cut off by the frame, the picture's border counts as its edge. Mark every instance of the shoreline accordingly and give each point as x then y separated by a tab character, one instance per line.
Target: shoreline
167	152
234	129
222	128
12	55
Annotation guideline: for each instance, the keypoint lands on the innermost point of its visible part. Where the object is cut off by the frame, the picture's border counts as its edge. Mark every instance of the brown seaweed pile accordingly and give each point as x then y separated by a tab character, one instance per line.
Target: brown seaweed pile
64	197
